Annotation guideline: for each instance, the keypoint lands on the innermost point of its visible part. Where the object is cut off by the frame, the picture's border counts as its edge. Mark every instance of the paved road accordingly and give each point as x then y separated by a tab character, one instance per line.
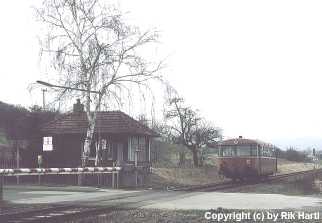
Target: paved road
156	199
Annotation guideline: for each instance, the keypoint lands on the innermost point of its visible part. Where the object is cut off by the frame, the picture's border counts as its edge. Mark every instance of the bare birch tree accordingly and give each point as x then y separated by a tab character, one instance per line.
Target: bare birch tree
91	48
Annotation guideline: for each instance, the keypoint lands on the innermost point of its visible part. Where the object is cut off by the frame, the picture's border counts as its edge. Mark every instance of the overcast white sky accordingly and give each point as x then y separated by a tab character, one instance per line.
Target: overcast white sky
251	67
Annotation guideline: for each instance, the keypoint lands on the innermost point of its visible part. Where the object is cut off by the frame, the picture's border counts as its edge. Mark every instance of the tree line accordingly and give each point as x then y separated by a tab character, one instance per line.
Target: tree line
20	123
293	154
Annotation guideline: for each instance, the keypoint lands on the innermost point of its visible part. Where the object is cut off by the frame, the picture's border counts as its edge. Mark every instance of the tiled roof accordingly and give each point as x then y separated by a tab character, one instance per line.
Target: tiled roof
110	122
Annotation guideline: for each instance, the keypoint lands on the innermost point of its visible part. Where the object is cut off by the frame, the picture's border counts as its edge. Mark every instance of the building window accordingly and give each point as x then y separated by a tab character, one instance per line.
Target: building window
142	145
108	150
133	145
137	143
147	149
92	151
125	152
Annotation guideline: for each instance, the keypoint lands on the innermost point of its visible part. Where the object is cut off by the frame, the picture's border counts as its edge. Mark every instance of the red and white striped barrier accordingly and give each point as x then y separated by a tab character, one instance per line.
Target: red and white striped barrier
45	171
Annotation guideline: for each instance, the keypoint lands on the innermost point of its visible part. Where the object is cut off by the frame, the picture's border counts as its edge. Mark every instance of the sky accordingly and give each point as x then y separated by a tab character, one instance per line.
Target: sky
252	68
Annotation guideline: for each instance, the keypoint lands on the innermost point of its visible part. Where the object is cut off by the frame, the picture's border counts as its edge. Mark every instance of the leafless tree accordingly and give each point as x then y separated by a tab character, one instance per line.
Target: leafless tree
188	128
91	48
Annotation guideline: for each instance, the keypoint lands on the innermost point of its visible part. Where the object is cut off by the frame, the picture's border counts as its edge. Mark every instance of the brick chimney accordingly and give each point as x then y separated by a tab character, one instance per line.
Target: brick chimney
78	107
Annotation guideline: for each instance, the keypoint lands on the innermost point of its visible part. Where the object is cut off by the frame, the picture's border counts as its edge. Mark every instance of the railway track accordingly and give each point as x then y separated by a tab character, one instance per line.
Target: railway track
58	213
55	214
230	184
69	212
63	213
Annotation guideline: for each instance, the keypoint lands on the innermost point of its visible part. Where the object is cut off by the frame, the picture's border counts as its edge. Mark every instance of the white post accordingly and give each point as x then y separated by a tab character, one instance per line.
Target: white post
113	180
117	180
136	158
149	148
39	159
1	187
136	166
18	161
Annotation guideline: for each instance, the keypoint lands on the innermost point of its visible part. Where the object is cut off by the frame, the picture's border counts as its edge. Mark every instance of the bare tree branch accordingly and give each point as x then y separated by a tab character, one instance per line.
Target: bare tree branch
187	128
92	48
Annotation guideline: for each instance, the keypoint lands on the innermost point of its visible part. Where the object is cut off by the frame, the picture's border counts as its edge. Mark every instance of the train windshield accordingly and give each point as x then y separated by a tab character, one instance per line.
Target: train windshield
238	150
228	151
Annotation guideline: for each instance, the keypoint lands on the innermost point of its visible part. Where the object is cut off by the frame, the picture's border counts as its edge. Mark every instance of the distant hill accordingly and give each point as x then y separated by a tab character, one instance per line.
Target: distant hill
13	120
6	152
20	127
18	122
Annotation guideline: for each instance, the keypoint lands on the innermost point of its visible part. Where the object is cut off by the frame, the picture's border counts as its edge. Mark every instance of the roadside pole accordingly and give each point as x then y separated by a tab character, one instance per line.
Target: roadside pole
136	166
17	161
276	157
314	158
1	187
39	166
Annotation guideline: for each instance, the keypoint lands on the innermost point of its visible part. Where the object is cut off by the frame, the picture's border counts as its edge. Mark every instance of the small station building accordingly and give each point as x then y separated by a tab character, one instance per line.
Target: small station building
124	141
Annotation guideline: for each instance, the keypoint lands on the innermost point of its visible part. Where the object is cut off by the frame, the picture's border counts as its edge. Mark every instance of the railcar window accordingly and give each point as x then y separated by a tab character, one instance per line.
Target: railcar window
228	151
253	150
271	152
267	152
243	151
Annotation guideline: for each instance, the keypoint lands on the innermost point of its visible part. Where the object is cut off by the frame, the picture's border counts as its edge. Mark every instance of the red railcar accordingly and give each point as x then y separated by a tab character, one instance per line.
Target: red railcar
246	158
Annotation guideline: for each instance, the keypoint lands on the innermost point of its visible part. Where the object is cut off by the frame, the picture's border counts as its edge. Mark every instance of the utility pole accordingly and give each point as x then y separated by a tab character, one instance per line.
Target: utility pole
43	98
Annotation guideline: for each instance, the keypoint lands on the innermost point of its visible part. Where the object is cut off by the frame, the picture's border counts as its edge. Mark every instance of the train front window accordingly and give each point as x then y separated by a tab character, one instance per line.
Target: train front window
253	150
243	150
238	150
228	151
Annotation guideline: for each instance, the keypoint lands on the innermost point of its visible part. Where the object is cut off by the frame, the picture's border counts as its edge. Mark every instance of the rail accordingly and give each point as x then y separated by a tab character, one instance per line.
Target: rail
71	211
230	184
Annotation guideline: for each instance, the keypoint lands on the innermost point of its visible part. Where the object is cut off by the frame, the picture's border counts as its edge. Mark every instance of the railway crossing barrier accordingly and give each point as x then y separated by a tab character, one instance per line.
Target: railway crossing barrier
59	171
